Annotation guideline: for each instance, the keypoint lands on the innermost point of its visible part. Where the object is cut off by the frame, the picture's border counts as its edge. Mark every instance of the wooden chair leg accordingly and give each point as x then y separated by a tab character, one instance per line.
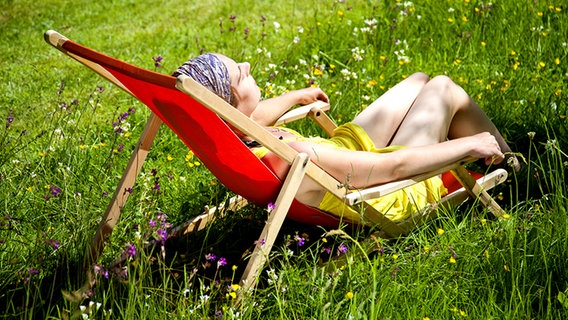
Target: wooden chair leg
274	222
121	193
476	191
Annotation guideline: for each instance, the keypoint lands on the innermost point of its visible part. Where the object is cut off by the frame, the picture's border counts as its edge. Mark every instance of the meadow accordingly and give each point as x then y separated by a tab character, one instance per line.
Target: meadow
67	135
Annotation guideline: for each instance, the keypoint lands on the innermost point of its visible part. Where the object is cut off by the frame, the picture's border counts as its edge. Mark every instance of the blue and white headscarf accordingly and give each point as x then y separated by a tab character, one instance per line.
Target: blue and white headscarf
209	71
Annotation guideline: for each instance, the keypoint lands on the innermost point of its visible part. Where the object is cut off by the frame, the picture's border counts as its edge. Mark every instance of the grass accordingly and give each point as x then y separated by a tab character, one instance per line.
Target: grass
61	156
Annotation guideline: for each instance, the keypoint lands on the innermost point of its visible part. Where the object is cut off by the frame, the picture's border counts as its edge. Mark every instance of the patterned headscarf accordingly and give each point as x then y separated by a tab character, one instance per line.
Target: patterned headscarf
209	71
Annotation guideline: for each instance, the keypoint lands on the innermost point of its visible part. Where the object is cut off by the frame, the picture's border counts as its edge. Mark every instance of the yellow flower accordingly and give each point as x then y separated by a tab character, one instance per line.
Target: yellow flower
457	62
513	52
128	134
213	182
83	147
234	268
395	256
452	259
324	240
30	188
426	248
197	163
41	154
340	14
349	295
500	196
103	144
450	20
235	286
463	314
557	92
318	72
486	254
440	230
542	64
539	14
233	295
506	268
557	60
464	19
506	216
483	221
95	147
170	158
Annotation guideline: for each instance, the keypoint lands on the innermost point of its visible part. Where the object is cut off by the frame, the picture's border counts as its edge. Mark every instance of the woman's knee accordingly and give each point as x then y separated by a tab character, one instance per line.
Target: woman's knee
420	77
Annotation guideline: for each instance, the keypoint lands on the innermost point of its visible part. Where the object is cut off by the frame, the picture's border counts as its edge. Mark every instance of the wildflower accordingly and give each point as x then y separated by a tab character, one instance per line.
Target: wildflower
221	262
9	119
452	259
55	191
299	240
210	257
440	231
162	235
342	248
506	268
53	243
130	250
234	268
349	295
158	61
270	207
219	314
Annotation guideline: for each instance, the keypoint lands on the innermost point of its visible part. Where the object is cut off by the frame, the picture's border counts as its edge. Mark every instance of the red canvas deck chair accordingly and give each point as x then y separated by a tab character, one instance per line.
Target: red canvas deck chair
199	118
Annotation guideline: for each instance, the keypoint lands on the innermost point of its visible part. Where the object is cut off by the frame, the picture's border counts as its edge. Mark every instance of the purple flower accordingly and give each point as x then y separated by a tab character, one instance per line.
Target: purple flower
210	257
100	89
219	314
152	223
33	271
130	250
342	248
9	120
222	262
99	270
158	61
162	235
270	207
55	191
300	240
53	243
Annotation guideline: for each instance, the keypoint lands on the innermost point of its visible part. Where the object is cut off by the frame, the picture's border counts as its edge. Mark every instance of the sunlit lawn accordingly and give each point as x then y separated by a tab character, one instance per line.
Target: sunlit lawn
68	134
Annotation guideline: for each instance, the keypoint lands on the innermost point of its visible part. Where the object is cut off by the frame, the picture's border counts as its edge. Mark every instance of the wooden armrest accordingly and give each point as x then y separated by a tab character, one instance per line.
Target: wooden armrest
359	196
301	112
315	111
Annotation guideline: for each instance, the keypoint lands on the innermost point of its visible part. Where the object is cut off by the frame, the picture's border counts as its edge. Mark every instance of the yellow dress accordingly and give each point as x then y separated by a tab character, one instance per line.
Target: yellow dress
396	206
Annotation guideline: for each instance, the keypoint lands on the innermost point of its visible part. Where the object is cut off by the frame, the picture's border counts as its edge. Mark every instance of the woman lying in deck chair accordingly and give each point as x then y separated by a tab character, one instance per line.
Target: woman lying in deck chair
417	126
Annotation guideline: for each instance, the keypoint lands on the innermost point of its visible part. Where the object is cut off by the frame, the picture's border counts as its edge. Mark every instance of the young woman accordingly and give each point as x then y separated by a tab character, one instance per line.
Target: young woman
417	126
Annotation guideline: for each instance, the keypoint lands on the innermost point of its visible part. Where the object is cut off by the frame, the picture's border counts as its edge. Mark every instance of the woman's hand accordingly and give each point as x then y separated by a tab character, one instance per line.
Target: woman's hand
309	95
484	145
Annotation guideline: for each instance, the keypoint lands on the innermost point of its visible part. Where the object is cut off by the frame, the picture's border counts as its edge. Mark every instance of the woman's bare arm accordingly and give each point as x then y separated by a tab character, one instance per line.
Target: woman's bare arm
269	110
364	169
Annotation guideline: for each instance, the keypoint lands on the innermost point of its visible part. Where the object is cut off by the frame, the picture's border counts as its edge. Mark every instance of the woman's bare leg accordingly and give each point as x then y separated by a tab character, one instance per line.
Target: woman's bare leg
383	117
443	110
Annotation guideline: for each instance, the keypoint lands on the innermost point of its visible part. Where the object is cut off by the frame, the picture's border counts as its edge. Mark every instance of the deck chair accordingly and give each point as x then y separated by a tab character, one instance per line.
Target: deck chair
203	122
